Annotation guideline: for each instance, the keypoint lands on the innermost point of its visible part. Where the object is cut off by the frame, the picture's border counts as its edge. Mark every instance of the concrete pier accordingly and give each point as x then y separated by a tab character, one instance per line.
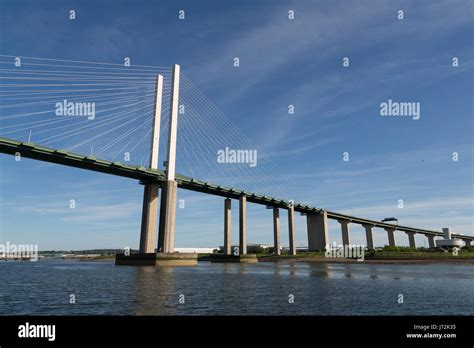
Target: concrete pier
346	238
276	231
317	225
411	239
291	230
149	218
227	226
167	217
321	223
243	225
221	258
228	255
157	259
369	236
311	232
161	226
431	242
391	236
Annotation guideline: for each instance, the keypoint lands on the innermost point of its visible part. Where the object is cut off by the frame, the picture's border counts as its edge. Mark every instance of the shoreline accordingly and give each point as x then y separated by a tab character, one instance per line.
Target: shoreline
466	261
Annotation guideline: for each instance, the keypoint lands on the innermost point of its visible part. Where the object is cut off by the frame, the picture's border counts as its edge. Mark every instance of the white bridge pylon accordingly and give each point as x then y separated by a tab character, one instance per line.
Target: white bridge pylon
167	220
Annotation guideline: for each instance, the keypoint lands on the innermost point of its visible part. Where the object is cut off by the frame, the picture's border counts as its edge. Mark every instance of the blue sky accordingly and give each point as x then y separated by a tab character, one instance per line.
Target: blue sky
282	62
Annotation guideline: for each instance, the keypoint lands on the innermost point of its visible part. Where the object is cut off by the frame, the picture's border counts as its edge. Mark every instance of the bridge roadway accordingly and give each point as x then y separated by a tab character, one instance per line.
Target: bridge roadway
148	175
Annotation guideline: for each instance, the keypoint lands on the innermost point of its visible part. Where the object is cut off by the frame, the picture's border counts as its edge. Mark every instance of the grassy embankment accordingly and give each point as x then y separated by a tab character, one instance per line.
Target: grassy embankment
386	253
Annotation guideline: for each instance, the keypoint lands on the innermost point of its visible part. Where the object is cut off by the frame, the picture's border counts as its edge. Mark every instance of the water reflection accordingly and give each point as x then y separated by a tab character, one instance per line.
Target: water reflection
321	270
279	269
154	290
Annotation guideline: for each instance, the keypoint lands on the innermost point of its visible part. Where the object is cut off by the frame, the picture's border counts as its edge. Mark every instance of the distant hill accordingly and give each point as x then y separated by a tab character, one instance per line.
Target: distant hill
84	251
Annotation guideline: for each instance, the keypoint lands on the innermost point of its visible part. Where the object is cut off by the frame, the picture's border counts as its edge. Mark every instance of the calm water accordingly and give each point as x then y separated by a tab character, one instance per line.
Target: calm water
101	288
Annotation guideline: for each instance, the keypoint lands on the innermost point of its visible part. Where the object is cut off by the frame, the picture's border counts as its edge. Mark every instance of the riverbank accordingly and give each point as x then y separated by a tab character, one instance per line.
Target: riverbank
371	261
380	257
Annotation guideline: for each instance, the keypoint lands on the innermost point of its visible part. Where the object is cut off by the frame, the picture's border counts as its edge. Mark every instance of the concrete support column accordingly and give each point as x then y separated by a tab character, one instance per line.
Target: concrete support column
311	232
276	231
346	238
149	218
167	217
321	223
291	230
411	239
227	226
391	236
368	235
243	225
317	231
161	226
467	241
431	241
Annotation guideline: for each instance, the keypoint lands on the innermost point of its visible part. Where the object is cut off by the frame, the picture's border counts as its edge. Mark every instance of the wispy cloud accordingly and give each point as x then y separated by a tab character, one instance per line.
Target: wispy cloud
82	213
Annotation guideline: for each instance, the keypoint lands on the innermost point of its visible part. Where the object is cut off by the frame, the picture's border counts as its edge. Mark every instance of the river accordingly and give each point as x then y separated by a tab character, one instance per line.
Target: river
57	287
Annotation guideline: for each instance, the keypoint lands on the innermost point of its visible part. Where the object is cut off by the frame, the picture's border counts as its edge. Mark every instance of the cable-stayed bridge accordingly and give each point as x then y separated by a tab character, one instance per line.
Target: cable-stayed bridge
103	117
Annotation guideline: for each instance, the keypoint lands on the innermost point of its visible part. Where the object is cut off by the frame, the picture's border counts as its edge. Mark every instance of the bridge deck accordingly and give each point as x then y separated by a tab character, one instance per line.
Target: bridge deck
33	151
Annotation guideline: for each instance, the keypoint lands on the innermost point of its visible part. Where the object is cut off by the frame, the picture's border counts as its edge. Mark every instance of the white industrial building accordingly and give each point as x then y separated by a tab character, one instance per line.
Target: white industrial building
196	250
448	242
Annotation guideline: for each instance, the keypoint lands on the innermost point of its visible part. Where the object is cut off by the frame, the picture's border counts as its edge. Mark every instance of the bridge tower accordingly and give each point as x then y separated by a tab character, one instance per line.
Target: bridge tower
150	194
164	254
169	188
